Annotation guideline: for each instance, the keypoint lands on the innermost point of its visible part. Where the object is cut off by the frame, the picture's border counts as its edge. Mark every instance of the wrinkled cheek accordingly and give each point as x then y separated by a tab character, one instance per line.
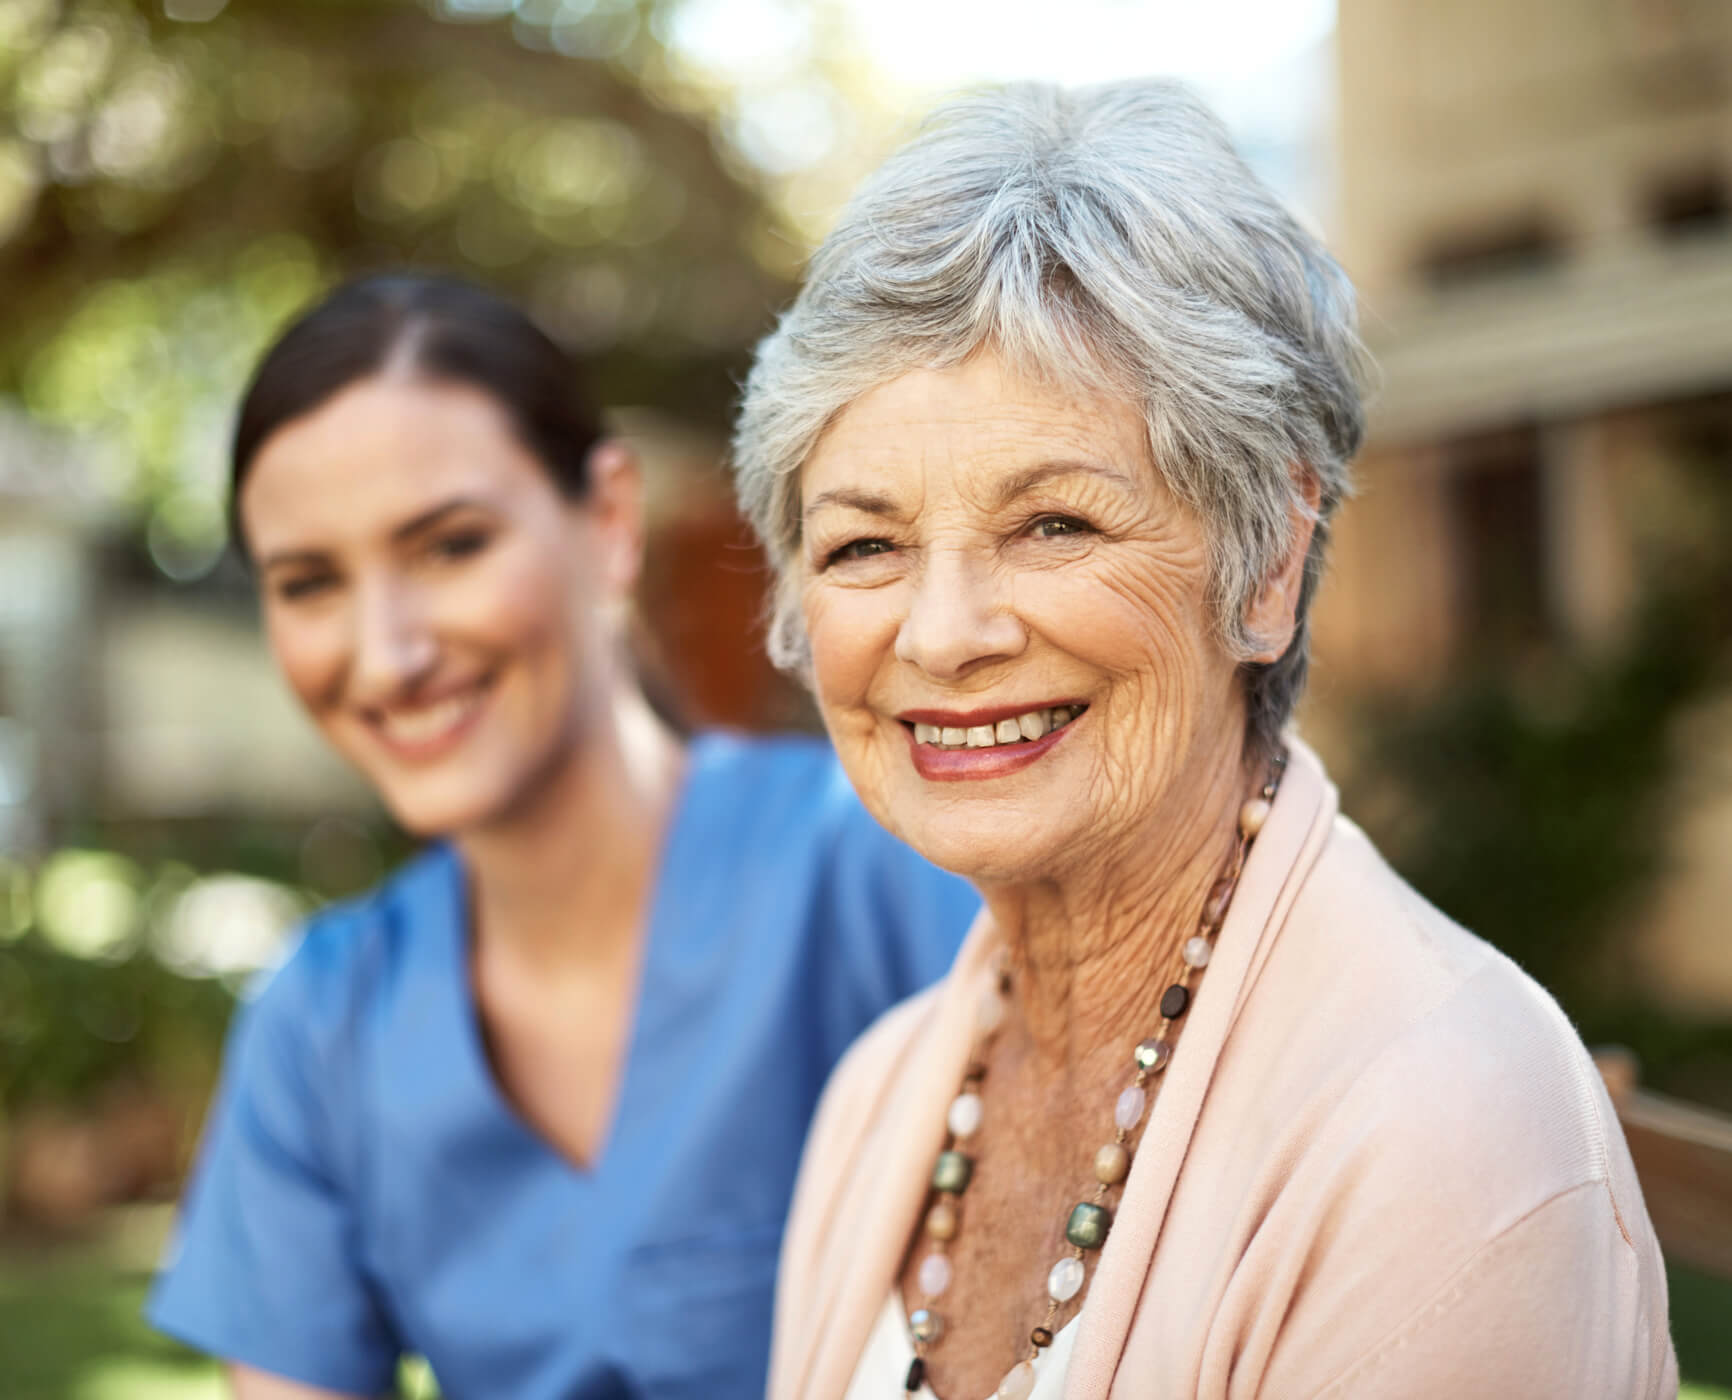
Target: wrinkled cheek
846	636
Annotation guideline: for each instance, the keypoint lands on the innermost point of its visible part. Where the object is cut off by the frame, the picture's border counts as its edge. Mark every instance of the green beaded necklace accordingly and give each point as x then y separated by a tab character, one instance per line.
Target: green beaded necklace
1090	1221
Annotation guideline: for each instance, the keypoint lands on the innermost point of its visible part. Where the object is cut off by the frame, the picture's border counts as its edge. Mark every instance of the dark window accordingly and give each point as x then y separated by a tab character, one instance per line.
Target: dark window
1498	510
1696	205
1527	245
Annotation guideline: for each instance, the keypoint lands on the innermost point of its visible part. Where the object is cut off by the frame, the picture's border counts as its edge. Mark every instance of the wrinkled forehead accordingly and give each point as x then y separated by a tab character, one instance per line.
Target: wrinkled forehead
968	428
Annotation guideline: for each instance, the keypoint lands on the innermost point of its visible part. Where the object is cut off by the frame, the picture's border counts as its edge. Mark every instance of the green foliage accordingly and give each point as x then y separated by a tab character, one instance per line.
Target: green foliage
1537	821
71	1026
175	180
72	1327
1532	802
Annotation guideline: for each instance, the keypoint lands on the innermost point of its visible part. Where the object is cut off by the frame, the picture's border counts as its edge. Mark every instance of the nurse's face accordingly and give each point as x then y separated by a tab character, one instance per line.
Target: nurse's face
446	617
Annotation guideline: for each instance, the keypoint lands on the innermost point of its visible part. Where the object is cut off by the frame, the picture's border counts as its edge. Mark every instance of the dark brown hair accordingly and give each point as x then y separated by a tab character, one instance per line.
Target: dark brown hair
438	327
445	330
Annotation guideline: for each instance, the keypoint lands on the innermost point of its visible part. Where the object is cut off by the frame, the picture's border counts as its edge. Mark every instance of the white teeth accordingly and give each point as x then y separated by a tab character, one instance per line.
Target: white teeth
1035	724
427	723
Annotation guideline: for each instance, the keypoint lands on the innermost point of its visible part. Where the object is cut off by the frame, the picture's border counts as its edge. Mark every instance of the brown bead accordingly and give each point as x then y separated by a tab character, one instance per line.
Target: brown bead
941	1221
1041	1337
1112	1164
1215	907
1252	816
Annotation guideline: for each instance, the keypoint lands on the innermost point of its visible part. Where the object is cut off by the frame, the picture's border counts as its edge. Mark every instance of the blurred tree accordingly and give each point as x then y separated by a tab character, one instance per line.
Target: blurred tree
176	176
1535	804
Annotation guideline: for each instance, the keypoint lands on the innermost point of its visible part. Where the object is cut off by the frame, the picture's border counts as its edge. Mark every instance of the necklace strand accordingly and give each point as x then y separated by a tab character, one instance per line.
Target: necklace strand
1090	1221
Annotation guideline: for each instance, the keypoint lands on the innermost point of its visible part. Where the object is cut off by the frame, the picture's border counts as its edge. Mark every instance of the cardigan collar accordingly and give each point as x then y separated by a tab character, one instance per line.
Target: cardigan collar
911	1114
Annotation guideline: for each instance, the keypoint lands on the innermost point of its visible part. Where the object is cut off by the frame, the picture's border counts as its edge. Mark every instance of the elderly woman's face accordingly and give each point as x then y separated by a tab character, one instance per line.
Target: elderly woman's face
1010	629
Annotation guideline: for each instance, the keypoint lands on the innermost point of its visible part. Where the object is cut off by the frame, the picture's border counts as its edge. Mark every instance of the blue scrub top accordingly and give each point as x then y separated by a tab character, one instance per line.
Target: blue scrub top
365	1190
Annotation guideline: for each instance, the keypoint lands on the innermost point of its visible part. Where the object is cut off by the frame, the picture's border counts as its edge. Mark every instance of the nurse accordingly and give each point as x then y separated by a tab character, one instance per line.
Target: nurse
533	1107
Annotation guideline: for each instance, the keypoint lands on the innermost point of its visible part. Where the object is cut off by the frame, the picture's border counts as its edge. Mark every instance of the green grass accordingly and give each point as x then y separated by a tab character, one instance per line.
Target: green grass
1702	1332
71	1329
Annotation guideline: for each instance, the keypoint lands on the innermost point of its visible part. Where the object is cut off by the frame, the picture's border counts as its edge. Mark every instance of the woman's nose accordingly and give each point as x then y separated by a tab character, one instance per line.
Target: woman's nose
393	645
960	618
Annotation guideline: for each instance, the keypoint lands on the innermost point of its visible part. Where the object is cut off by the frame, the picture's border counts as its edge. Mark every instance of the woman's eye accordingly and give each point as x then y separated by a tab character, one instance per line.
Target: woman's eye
296	589
1052	526
461	545
858	549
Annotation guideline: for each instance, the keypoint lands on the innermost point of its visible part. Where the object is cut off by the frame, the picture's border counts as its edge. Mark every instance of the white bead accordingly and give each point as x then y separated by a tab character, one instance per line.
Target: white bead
934	1275
1128	1111
1066	1279
1197	952
964	1116
1018	1383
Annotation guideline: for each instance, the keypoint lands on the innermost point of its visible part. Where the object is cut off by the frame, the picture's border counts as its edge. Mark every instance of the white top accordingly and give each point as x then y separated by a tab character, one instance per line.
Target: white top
884	1363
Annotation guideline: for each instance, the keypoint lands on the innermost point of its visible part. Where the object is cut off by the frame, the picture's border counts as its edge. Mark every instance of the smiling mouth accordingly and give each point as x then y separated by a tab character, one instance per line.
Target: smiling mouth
420	728
1025	728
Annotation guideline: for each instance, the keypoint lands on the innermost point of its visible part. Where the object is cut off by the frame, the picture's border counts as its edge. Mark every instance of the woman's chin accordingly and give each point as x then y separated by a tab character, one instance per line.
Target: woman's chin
440	805
984	857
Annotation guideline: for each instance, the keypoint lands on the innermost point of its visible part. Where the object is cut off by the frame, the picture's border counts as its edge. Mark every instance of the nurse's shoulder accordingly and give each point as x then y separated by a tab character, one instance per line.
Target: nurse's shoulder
302	1020
781	811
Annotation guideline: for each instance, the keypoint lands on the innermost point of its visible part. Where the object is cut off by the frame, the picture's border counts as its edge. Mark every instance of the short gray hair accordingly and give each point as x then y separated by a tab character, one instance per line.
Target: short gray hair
1106	236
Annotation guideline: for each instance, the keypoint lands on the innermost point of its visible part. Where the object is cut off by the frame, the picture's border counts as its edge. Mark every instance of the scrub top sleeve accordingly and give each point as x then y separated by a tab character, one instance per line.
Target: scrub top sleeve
264	1269
902	918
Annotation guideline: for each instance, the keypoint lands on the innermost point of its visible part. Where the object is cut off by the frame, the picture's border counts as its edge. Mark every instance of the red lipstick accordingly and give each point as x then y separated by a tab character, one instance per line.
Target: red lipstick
965	765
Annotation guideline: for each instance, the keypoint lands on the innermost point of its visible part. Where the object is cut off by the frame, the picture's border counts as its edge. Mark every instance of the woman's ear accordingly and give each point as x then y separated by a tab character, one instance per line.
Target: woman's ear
613	512
1270	616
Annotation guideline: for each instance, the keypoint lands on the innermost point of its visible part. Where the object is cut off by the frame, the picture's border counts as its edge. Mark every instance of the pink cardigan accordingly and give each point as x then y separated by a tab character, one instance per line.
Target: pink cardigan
1379	1165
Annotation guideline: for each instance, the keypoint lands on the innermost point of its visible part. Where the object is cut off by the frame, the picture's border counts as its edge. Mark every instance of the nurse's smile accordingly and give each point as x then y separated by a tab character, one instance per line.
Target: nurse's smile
428	728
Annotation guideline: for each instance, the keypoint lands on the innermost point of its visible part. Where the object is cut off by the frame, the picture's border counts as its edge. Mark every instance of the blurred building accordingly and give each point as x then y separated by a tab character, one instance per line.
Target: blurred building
1535	200
50	509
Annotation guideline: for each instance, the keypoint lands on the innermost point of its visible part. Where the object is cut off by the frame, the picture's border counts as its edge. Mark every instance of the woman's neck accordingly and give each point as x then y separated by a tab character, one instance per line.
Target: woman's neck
565	878
1091	954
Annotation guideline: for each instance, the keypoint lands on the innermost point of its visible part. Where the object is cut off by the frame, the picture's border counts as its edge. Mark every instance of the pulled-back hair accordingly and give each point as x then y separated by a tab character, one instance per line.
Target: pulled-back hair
438	328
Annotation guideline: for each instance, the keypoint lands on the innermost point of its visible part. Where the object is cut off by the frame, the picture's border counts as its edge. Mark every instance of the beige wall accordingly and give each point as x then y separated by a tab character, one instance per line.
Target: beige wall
1463	123
1460	117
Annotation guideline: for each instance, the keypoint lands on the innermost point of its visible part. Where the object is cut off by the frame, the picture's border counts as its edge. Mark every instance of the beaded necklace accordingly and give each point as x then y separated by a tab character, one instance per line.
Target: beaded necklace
1090	1220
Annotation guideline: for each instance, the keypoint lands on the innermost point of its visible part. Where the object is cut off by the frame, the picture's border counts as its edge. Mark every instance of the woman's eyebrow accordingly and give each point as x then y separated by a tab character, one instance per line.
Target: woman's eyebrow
286	558
1024	482
870	502
427	519
417	524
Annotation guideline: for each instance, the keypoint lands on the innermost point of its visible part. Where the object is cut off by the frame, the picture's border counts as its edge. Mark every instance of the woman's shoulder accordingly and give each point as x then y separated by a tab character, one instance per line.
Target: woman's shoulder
1431	1128
789	793
1459	1057
784	779
343	956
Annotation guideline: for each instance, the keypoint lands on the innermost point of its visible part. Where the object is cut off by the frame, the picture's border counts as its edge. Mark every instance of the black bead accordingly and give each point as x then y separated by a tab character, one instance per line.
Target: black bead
916	1376
1174	1001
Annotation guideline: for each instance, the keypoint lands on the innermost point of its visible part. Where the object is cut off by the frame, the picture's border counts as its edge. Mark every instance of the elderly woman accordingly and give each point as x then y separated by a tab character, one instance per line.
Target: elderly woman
1211	1103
